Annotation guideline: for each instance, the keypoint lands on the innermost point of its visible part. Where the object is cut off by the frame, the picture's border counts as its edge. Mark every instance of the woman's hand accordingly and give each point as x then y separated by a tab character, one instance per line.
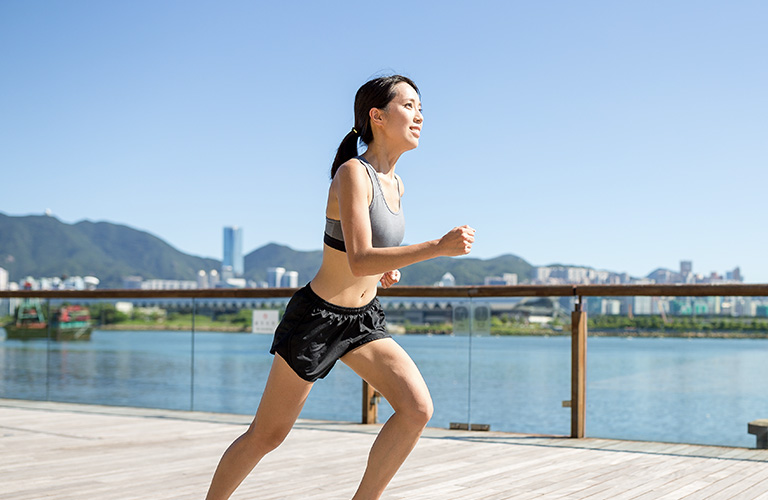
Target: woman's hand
458	241
390	278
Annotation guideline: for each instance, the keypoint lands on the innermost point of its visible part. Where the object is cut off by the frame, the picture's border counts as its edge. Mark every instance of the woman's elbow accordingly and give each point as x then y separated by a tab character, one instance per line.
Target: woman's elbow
358	271
358	264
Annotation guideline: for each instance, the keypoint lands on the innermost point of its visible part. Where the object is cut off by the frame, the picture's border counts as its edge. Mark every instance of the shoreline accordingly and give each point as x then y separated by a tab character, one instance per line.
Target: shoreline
439	331
172	328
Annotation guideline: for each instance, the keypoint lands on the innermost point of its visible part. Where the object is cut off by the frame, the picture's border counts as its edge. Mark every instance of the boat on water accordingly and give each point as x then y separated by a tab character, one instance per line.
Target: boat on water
66	323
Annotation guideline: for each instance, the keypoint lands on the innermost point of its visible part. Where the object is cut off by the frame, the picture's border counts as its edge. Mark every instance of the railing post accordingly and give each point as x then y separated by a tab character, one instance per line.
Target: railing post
578	370
370	404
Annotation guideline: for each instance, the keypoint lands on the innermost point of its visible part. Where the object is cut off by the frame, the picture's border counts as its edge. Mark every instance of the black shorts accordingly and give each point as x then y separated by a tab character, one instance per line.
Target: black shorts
314	333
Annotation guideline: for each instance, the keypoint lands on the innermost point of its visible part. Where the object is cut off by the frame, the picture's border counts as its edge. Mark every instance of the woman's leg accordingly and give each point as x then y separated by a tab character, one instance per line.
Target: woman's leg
388	368
283	399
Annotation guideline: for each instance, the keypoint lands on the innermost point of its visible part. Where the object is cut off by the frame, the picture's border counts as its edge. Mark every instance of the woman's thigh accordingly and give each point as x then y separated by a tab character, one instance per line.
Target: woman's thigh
387	367
283	399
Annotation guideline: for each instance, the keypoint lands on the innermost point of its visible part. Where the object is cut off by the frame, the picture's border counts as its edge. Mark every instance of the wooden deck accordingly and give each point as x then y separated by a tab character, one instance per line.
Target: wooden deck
66	451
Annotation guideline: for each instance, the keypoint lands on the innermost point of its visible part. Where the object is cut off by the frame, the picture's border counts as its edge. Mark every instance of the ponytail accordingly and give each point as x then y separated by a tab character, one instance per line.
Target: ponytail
347	150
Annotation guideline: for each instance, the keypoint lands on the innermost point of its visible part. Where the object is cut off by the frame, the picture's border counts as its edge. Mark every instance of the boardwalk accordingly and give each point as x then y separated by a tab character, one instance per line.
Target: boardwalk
64	451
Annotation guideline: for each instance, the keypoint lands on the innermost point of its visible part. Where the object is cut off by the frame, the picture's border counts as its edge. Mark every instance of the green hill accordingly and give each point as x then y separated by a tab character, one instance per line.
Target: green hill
306	263
467	271
42	246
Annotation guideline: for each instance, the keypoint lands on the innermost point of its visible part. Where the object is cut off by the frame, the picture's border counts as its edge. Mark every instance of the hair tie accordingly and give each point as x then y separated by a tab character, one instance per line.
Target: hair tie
354	131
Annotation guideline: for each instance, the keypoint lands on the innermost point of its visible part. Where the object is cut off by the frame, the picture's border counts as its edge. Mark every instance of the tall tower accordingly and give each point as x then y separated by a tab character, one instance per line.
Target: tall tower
686	267
233	250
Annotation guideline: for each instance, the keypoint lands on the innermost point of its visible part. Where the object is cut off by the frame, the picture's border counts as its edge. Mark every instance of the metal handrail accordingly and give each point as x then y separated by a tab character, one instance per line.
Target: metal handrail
653	290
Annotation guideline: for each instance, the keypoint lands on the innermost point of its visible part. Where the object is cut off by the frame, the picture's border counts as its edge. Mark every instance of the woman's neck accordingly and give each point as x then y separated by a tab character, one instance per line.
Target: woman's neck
382	159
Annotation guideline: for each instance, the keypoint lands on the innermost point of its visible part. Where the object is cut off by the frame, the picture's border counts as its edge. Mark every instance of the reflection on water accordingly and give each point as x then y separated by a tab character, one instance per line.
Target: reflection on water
696	391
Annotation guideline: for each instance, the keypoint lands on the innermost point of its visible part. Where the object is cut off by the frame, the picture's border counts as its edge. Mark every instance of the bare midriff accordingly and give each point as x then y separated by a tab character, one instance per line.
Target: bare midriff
335	283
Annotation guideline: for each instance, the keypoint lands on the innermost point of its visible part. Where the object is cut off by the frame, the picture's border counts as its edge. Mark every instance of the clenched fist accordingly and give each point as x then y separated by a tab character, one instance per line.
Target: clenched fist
458	241
390	278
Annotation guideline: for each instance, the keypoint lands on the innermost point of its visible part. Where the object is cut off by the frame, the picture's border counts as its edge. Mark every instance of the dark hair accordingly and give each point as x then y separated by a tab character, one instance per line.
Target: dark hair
376	93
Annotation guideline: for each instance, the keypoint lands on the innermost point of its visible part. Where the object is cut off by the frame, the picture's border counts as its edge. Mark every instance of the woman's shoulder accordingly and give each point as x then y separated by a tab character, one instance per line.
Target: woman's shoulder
352	169
352	174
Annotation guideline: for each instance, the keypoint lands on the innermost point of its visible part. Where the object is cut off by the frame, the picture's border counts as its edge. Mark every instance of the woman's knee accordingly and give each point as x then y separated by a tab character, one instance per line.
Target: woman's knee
265	440
419	411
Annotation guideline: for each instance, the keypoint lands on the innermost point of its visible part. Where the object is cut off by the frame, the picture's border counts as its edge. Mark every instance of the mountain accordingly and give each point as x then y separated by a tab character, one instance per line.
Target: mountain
43	246
467	271
306	263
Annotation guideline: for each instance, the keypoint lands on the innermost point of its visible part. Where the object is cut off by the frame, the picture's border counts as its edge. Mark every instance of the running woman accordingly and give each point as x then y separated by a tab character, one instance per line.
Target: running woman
337	315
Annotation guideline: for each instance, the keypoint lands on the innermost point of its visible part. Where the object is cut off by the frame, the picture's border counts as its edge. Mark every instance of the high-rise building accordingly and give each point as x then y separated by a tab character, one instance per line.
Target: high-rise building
4	304
213	278
233	250
202	279
275	276
290	279
686	267
737	274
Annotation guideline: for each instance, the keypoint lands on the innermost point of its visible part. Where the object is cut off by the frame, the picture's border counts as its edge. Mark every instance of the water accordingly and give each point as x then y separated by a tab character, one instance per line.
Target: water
701	391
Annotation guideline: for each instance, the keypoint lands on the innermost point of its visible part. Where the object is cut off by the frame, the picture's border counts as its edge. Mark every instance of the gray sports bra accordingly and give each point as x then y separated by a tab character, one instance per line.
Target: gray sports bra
387	226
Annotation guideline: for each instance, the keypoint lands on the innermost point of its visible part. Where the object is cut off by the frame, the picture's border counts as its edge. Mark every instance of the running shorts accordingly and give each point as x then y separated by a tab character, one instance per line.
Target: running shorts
314	333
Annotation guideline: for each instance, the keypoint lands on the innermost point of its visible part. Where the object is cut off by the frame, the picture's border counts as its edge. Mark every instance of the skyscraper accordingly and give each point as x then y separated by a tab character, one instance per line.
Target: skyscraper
233	250
686	267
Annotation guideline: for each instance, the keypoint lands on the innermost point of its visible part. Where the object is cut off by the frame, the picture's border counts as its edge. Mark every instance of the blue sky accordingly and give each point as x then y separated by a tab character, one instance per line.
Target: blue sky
618	135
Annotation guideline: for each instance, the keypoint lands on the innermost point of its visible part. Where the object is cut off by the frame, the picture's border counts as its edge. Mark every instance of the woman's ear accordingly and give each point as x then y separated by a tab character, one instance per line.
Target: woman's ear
376	116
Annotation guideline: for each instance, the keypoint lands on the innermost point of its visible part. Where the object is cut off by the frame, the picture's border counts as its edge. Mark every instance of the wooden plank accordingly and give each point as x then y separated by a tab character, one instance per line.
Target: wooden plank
69	452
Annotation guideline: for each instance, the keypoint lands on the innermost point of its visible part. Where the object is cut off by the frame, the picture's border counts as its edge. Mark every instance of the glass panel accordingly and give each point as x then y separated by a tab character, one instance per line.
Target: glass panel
694	377
23	360
441	355
338	396
521	365
133	362
231	362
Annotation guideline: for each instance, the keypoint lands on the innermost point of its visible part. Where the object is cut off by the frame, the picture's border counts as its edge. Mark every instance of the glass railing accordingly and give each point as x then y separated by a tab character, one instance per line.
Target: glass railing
695	376
498	361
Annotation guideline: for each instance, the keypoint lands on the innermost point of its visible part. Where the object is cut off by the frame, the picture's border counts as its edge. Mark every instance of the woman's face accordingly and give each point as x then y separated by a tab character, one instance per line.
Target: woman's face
402	119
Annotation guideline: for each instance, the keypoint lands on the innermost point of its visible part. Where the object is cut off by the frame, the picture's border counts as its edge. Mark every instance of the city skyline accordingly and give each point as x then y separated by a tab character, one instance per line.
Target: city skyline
282	277
622	136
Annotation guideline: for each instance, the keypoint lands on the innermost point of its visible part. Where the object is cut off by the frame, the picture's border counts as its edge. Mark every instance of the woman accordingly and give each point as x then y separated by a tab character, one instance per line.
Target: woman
337	316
